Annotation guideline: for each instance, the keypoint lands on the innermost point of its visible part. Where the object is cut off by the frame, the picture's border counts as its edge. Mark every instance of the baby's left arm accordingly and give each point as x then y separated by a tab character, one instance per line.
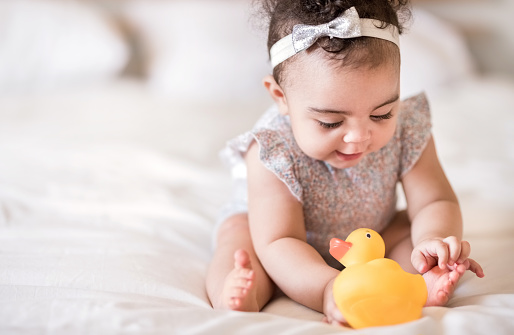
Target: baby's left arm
435	216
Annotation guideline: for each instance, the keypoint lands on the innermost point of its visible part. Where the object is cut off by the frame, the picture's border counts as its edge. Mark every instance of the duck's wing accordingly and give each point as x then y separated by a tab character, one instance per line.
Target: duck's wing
382	311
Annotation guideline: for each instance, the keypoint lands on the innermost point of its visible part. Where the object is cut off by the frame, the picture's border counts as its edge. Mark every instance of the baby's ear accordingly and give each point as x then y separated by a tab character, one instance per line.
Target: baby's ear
276	93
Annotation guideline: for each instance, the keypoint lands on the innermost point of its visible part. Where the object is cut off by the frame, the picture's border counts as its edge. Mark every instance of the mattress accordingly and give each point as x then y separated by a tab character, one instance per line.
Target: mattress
104	229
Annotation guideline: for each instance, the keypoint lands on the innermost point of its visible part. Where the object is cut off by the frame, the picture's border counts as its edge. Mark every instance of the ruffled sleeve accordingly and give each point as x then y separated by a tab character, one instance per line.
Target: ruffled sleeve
415	131
278	150
277	153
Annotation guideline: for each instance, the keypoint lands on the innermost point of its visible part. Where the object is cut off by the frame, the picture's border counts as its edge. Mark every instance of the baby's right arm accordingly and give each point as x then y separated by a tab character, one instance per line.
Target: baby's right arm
280	240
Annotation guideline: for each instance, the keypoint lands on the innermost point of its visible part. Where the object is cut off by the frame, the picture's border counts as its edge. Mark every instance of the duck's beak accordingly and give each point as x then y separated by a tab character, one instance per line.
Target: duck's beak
338	248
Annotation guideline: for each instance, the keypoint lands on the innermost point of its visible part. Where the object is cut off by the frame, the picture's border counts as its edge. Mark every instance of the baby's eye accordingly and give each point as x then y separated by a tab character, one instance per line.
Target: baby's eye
330	125
386	116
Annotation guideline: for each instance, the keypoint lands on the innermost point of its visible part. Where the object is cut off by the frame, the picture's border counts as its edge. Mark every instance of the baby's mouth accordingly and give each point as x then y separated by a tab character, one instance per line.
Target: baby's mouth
349	157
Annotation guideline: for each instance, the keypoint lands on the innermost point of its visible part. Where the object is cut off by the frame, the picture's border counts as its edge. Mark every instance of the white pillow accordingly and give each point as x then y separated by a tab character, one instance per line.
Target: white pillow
433	53
48	43
202	50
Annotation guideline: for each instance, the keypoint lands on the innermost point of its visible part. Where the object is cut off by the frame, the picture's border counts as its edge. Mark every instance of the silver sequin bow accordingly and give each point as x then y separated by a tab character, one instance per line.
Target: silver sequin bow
345	26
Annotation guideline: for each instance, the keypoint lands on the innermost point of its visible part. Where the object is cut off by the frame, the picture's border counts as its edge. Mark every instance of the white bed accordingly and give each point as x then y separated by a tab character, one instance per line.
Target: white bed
109	189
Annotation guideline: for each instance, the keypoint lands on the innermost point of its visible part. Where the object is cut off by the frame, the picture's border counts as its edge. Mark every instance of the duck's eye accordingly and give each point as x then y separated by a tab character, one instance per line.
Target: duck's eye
368	235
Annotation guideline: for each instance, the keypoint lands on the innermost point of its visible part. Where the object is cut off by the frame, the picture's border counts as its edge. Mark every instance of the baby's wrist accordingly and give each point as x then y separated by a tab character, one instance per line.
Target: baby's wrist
426	238
328	293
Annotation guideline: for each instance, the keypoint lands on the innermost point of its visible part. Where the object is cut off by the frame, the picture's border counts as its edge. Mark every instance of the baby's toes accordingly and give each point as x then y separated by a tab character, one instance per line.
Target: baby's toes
454	276
244	273
238	292
461	268
234	303
243	283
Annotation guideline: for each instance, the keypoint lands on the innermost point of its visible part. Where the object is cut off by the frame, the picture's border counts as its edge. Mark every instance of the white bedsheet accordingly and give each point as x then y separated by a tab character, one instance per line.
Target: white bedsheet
105	229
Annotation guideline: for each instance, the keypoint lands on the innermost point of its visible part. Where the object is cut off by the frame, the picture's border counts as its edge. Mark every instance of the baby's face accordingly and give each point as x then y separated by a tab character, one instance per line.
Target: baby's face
339	115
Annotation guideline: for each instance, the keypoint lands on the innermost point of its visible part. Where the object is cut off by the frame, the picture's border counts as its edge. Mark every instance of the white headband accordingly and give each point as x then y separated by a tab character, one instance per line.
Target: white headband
348	25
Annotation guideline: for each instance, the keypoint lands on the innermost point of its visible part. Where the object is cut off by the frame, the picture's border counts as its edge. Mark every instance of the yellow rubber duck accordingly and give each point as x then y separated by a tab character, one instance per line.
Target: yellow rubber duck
373	290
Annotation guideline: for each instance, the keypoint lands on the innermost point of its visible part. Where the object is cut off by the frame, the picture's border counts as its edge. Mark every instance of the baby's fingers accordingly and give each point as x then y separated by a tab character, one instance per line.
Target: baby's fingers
465	252
442	253
337	319
455	248
334	317
422	262
419	261
475	268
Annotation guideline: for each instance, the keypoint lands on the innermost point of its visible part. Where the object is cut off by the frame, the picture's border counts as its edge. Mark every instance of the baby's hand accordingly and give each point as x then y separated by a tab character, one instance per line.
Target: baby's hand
332	314
445	253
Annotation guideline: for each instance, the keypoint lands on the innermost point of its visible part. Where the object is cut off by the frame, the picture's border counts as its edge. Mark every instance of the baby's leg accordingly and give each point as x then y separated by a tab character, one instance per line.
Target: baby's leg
236	279
440	283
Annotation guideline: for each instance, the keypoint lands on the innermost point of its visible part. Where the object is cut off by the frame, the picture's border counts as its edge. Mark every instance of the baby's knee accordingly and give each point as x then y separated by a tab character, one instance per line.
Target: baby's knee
234	225
400	225
398	230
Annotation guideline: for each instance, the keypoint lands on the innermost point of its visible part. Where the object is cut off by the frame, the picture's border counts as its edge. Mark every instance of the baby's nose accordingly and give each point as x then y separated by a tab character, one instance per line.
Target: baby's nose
357	135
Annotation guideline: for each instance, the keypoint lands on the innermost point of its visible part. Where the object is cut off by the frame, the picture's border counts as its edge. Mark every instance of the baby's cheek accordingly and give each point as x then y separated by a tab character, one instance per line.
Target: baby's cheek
315	147
310	149
383	136
309	142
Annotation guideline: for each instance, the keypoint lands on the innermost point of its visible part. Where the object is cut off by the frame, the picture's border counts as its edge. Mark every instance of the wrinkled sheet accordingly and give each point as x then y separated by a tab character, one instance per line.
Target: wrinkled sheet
105	235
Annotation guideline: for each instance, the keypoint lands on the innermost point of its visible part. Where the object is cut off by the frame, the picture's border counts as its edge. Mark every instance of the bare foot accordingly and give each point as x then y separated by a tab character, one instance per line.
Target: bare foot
239	293
441	283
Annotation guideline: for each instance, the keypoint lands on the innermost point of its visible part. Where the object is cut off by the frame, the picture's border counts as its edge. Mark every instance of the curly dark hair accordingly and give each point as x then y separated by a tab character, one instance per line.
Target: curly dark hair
282	15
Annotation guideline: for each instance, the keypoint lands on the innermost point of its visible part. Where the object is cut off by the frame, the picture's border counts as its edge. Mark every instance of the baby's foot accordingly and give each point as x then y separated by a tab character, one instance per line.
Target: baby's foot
239	292
441	283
